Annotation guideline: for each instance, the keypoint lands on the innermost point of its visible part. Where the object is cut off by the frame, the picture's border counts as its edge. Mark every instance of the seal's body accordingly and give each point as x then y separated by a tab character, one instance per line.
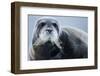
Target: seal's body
51	41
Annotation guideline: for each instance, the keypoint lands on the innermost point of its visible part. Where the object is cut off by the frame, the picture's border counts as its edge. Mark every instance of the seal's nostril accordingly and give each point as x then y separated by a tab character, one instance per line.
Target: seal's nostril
49	30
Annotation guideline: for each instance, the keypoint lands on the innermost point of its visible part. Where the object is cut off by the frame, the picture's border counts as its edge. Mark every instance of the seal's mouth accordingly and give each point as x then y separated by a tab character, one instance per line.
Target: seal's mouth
57	43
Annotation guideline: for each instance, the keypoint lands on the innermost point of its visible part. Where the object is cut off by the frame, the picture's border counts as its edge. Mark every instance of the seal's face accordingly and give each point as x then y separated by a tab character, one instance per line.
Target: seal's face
48	30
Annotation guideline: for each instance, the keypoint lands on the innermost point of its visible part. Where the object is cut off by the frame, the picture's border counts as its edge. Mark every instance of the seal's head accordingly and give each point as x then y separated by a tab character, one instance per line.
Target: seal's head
47	29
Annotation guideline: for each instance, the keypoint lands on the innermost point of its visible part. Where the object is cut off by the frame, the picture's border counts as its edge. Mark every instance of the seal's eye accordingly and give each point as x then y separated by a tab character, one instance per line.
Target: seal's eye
43	23
55	25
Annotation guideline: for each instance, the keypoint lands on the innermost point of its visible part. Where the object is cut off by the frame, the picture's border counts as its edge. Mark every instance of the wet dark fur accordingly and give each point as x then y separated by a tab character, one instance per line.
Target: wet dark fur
71	48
